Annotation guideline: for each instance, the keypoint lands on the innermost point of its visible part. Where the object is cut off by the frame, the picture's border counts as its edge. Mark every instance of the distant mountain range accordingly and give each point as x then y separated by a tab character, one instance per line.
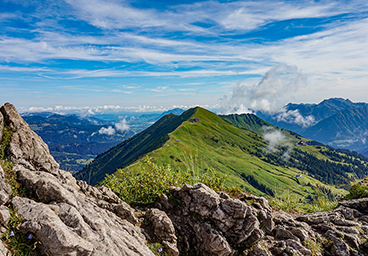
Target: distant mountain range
337	122
255	155
74	140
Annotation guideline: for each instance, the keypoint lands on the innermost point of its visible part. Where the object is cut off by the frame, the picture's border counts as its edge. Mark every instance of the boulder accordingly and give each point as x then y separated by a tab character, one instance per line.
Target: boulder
161	227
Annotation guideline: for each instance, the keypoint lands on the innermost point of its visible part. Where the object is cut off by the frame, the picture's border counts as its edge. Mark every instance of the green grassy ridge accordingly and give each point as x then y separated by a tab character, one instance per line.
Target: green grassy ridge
247	121
322	162
131	149
215	143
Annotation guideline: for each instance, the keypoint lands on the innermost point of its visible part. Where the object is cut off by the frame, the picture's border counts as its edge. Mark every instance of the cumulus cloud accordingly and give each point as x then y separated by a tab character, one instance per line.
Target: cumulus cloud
108	131
276	88
122	126
294	116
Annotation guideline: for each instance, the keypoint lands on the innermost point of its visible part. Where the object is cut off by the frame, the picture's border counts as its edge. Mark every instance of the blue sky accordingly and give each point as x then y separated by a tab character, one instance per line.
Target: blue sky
148	55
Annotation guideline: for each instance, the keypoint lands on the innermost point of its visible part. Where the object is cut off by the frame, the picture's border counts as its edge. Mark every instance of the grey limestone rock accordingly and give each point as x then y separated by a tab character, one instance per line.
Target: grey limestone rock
4	215
70	217
1	127
234	224
26	147
5	189
57	238
210	241
258	250
163	229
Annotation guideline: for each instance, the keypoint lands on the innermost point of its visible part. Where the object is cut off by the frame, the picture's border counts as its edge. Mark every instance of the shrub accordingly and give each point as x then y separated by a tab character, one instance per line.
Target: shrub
289	202
321	204
292	203
149	183
358	189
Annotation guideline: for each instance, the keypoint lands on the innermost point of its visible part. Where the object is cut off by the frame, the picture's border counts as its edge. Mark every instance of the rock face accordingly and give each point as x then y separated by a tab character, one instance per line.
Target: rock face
69	217
26	147
66	216
214	224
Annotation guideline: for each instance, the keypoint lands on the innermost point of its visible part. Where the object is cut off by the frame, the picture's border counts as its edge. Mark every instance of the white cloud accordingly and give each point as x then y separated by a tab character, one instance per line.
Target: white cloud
160	89
122	126
108	131
275	89
294	117
276	139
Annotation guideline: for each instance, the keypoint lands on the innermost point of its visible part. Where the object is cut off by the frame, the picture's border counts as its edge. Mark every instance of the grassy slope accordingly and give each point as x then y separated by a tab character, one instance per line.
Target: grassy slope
129	150
215	143
247	121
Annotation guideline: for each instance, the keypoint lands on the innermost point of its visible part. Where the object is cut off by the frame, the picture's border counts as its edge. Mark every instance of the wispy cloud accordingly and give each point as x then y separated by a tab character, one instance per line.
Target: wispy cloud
159	89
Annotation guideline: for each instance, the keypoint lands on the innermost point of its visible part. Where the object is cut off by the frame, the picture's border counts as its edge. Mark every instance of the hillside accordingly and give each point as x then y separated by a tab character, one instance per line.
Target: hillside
247	121
251	160
129	150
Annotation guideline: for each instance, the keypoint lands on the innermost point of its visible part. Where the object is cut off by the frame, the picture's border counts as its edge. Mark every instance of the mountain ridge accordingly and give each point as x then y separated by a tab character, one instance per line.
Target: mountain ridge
204	141
133	148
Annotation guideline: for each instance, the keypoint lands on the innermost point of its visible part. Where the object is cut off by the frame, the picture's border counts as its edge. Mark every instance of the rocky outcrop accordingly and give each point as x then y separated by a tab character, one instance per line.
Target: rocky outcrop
214	224
26	147
70	217
209	223
67	217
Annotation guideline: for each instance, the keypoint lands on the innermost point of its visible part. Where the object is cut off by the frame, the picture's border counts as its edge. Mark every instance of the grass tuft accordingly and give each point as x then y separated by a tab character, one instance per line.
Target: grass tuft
316	248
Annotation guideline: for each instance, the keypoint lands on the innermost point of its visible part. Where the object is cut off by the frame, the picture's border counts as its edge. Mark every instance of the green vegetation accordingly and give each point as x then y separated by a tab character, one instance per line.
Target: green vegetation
358	189
19	243
316	248
157	249
291	203
131	149
146	185
247	121
7	133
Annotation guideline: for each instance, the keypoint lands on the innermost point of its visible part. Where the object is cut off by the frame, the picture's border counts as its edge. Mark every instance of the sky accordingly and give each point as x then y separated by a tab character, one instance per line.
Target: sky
151	55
